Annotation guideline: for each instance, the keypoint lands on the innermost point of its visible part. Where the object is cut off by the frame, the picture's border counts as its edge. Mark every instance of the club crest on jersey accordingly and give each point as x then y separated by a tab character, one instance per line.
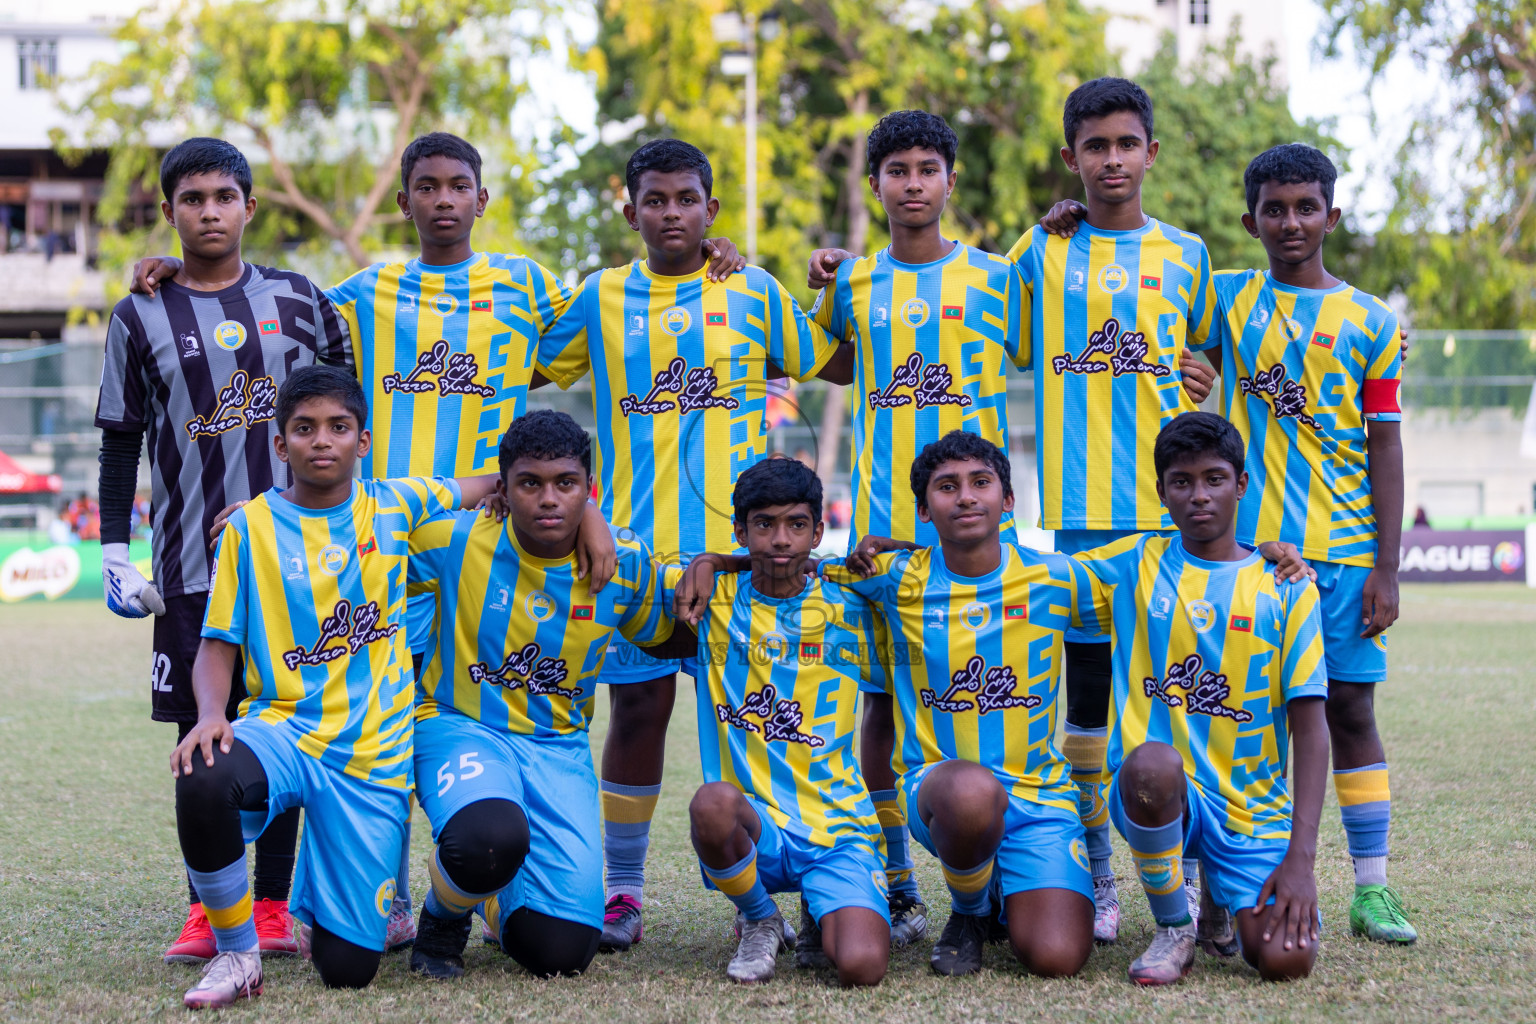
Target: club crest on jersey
1202	616
676	321
994	689
1290	329
525	669
695	389
443	304
332	559
930	385
539	606
229	335
778	720
975	616
1286	397
384	897
243	402
1126	352
1205	692
1114	278
455	374
913	312
358	627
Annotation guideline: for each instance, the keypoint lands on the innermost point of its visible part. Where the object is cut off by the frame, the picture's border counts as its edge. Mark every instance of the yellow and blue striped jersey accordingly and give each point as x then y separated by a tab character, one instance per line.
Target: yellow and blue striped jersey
315	599
1109	313
777	689
1206	657
1302	370
975	662
679	389
519	639
445	354
931	343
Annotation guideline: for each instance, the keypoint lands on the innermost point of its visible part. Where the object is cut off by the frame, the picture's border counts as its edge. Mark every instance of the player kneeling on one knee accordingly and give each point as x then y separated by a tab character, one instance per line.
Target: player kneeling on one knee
784	807
503	762
1218	672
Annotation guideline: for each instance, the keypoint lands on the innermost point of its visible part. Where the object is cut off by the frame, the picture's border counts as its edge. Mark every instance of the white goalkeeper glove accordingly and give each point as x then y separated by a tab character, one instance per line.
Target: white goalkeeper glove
129	594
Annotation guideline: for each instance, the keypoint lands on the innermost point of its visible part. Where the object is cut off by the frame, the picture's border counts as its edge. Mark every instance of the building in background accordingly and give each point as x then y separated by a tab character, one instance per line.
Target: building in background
1136	27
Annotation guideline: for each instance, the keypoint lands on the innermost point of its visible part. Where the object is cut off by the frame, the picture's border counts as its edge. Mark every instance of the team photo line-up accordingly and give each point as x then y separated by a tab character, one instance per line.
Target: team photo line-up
378	579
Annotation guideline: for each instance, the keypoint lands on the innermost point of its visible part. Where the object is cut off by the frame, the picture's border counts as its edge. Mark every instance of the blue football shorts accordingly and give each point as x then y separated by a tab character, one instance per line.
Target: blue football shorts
1042	848
460	761
1349	658
849	873
354	831
1236	866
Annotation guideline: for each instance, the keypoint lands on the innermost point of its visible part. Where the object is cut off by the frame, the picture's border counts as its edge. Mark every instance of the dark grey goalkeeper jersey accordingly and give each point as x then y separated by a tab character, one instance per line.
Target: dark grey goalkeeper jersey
199	371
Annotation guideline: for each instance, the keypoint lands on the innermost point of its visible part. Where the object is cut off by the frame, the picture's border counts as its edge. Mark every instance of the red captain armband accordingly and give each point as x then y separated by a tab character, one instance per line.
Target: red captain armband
1380	396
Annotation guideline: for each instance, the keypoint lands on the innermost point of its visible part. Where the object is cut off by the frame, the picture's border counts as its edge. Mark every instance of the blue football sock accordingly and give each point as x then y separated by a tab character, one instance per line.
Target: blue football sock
627	813
226	898
1159	856
898	842
741	884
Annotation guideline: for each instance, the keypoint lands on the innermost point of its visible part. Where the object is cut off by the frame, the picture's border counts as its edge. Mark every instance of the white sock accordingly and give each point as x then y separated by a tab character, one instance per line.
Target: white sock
1371	870
634	892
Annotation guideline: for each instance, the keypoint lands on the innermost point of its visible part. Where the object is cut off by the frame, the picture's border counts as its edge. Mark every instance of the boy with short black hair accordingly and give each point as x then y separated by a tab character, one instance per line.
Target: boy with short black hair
976	626
1218	671
503	762
1113	311
680	366
198	367
309	590
783	807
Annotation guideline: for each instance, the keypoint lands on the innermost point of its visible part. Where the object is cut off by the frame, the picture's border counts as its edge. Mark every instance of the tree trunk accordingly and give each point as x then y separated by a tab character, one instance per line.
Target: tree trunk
858	237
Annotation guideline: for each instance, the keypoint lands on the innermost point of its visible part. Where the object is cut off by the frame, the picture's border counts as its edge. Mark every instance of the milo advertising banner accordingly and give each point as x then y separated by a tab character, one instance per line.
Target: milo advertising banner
1466	556
32	569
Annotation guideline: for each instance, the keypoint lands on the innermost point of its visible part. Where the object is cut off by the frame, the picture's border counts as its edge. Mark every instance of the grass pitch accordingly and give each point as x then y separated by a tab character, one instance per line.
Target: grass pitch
91	891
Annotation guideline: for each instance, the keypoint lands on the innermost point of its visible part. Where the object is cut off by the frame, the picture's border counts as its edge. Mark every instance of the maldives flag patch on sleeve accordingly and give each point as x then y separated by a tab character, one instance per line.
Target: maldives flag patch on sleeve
1380	397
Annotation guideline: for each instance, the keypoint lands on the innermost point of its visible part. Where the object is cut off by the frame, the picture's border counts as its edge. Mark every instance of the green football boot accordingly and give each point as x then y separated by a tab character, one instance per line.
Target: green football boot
1377	913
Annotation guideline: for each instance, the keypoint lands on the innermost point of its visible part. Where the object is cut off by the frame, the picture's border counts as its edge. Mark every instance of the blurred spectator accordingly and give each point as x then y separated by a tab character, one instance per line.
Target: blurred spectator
840	513
139	524
60	531
804	456
84	517
1421	517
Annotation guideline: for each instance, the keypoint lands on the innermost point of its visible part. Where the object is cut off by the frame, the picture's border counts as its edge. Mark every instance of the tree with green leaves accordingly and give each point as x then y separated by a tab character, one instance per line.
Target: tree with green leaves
326	97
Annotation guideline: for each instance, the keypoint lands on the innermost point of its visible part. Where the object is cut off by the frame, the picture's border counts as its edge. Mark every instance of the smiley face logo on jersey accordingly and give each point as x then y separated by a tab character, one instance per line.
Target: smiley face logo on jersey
332	559
1202	616
914	312
975	616
539	606
443	304
1114	278
676	321
229	335
383	896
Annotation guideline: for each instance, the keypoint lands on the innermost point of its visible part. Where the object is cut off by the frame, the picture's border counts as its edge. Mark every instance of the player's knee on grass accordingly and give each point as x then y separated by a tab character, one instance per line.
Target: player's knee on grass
483	845
545	946
1271	959
208	805
1152	784
1050	931
858	942
342	964
963	801
1089	681
713	814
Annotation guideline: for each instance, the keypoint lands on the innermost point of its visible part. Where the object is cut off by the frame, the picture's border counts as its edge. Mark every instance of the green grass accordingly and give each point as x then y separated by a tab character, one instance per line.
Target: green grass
91	891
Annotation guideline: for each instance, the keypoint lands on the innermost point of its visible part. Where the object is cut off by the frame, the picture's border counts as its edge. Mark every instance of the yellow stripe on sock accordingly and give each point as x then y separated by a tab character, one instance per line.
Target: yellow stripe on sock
1160	873
738	884
1361	787
1085	752
889	813
974	880
627	809
230	917
446	892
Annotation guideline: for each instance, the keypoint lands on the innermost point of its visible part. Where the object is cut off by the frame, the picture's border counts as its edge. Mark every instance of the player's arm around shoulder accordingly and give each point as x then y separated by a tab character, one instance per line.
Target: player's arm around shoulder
695	583
563	356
